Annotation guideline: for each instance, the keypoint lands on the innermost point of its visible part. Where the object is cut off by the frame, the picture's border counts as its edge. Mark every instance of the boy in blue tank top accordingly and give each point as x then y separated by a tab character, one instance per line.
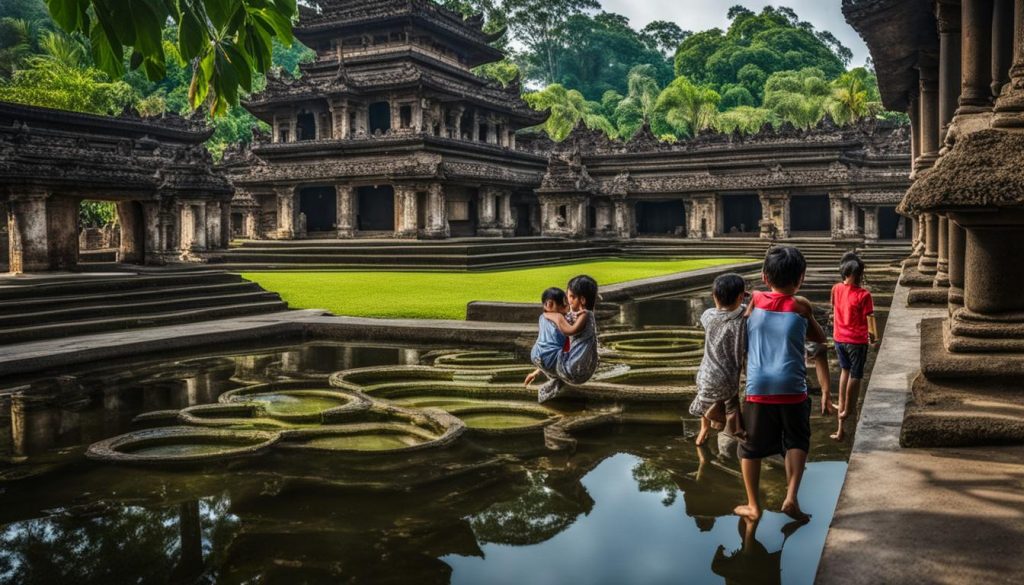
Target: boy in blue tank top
777	410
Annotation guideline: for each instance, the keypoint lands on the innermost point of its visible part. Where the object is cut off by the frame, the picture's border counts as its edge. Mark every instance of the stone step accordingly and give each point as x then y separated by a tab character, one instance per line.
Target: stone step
21	305
21	334
135	309
12	288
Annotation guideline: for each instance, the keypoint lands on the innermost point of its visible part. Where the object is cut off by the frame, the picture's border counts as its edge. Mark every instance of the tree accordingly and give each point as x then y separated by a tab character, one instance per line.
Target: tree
538	23
664	36
568	107
223	41
797	97
637	107
687	108
854	96
15	44
745	119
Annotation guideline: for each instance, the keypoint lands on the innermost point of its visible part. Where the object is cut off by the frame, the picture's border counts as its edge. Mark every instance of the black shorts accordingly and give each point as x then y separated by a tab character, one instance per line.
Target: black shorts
852	357
773	429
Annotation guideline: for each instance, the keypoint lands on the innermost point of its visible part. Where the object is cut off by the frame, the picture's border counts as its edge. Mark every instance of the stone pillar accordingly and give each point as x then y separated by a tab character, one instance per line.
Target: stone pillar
774	212
507	220
957	244
512	140
225	224
285	213
133	235
487	212
346	209
437	213
26	230
213	226
837	207
949	65
1010	105
942	261
929	122
871	224
989	287
914	111
475	130
199	241
459	111
186	227
930	256
622	218
250	223
406	212
62	232
1002	44
492	131
155	245
976	60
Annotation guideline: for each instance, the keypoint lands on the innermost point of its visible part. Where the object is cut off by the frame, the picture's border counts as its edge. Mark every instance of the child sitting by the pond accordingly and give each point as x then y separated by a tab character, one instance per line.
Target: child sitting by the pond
725	348
578	364
550	341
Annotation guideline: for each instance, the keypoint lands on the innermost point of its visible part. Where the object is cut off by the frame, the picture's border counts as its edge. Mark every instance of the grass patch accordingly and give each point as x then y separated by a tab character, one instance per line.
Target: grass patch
444	295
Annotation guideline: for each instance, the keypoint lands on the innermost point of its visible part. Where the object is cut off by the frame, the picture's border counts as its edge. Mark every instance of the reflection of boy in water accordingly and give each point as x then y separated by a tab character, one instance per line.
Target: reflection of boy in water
752	563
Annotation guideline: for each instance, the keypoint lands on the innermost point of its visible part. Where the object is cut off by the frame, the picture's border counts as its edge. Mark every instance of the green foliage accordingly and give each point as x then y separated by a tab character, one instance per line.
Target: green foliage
97	213
568	108
664	36
223	41
797	97
504	72
53	84
756	46
854	96
539	25
444	295
745	119
686	108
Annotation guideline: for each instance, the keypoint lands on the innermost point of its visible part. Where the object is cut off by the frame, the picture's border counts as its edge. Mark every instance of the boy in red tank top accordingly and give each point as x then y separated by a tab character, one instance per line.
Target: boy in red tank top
854	327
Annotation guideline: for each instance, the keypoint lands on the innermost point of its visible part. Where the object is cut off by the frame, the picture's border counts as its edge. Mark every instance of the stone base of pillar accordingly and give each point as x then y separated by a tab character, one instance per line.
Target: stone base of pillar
955	299
433	234
1009	108
970	332
928	264
409	234
489	231
345	233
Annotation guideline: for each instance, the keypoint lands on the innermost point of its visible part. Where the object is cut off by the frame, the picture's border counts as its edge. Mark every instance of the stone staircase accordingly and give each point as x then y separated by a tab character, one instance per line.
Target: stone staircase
48	307
493	253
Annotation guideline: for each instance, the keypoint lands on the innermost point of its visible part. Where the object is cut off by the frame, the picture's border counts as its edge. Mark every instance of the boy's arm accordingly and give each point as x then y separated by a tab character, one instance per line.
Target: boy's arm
564	326
814	331
531	377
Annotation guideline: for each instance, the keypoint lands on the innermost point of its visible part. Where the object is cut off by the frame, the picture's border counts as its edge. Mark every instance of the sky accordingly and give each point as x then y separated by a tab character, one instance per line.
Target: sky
698	15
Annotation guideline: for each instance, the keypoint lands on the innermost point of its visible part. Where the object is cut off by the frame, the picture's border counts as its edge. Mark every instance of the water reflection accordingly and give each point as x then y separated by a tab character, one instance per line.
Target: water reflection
609	513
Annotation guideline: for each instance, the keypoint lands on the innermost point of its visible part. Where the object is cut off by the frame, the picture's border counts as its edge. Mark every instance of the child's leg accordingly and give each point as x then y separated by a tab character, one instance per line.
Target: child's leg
844	383
751	483
796	440
734	418
705	428
824	381
796	460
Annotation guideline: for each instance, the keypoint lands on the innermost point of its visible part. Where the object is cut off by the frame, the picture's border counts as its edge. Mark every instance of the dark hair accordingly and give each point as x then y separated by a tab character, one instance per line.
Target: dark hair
553	294
849	256
586	287
728	288
784	266
854	268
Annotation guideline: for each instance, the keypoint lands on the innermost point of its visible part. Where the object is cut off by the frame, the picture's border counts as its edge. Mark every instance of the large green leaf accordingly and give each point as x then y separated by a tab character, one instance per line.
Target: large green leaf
193	35
108	56
71	15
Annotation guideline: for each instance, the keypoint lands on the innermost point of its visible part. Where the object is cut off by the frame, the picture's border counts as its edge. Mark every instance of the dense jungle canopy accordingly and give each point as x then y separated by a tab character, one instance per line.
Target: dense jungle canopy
573	58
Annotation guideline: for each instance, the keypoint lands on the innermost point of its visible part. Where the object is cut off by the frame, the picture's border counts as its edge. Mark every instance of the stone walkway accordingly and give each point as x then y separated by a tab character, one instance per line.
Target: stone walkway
57	353
921	515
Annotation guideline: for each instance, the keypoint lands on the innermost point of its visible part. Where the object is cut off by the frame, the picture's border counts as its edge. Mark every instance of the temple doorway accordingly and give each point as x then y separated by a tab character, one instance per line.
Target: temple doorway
893	226
810	213
320	205
462	211
305	127
522	211
376	209
661	217
741	215
380	117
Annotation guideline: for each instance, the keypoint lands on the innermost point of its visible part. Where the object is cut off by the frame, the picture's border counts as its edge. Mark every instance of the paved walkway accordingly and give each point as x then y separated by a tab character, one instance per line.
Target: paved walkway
921	515
57	353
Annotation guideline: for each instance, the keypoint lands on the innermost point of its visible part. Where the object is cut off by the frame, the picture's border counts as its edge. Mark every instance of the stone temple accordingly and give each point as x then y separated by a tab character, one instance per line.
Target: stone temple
389	133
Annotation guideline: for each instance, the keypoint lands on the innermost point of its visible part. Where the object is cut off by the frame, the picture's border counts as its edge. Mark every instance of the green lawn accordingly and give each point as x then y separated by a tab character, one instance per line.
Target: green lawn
443	295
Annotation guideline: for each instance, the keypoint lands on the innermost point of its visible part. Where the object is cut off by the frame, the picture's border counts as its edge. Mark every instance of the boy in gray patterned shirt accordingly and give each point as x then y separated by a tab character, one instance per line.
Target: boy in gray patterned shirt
725	348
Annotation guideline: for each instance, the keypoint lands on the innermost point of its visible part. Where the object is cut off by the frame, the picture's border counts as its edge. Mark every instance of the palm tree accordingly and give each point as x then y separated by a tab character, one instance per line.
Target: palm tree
852	98
15	44
568	107
687	108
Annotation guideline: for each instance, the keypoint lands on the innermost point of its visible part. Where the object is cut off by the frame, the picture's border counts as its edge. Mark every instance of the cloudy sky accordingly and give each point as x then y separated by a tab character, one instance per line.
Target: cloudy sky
699	15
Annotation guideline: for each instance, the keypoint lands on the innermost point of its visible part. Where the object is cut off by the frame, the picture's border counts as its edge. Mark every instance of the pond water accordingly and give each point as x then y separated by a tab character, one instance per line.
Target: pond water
628	504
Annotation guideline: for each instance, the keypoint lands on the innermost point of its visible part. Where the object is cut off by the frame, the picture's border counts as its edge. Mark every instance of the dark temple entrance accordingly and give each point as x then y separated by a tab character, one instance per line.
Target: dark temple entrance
741	215
809	213
320	206
380	117
660	217
893	226
376	209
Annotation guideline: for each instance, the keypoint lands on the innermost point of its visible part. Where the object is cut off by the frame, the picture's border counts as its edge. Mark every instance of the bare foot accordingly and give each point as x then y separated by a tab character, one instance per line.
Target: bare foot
747	511
792	509
838	435
702	437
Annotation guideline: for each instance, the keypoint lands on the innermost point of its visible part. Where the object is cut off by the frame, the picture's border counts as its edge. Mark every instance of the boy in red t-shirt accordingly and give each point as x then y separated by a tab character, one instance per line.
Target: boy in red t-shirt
854	327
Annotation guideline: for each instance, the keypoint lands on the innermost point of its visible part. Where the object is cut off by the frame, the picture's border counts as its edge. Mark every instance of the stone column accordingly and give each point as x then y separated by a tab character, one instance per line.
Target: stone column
186	227
957	243
199	241
930	256
1002	44
774	211
871	224
459	111
62	232
949	65
154	233
837	205
213	231
976	60
492	131
942	261
250	224
929	122
285	213
486	212
345	201
1010	105
131	249
26	231
225	224
914	111
475	131
406	212
622	221
506	219
437	213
